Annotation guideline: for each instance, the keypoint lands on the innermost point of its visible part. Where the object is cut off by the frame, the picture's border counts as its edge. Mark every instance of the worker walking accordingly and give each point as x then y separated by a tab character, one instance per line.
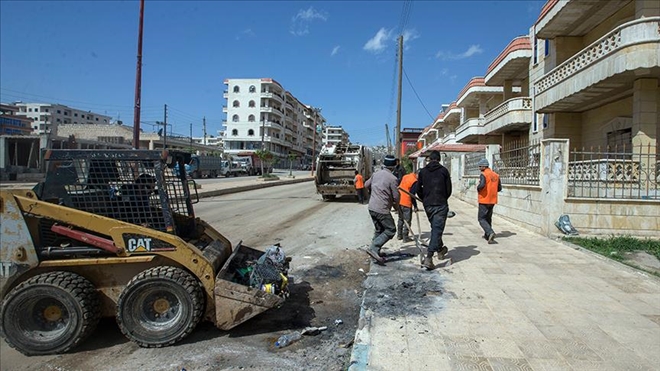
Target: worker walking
359	187
489	185
406	206
383	187
434	189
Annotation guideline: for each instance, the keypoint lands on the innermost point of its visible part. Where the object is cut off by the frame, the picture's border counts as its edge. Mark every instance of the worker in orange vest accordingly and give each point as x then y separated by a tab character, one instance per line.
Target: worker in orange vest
489	185
406	205
359	187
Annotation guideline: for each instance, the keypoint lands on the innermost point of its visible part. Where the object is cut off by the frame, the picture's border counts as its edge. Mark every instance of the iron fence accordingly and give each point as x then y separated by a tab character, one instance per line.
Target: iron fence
471	159
519	162
618	172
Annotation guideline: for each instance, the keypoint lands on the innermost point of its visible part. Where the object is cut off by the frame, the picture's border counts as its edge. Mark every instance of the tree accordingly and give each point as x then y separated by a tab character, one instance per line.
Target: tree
292	156
263	155
406	162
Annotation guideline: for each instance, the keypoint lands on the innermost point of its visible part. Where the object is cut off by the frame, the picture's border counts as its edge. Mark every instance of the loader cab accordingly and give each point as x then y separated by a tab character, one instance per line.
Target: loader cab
140	187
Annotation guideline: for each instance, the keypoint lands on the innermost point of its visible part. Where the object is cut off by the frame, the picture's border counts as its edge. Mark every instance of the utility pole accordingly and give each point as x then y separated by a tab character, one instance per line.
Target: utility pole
191	146
138	83
316	113
398	109
204	120
389	140
165	128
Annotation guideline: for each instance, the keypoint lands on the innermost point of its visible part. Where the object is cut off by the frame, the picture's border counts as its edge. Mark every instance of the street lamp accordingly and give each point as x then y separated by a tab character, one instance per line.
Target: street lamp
316	114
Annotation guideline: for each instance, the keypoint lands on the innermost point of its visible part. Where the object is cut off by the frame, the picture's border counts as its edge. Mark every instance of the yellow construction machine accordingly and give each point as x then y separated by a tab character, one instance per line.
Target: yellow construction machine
113	233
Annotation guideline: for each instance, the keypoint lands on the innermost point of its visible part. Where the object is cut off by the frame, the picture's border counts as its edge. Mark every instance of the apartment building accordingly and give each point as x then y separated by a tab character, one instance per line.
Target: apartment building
569	116
262	114
335	134
46	116
11	123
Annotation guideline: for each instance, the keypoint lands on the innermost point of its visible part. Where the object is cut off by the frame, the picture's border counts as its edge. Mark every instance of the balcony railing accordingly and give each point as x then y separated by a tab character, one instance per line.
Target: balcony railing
470	126
514	104
638	31
617	173
519	162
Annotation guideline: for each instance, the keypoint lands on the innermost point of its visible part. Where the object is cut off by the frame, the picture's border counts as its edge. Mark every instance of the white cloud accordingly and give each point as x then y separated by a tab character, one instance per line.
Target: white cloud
472	50
335	50
245	33
410	35
378	43
301	21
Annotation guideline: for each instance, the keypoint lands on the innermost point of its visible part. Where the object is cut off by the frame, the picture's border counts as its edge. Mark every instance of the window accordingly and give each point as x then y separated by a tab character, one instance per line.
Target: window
236	104
234	132
237	89
66	113
252	89
47	110
619	141
75	115
251	118
58	111
234	118
251	132
545	121
36	109
547	47
251	104
97	119
29	109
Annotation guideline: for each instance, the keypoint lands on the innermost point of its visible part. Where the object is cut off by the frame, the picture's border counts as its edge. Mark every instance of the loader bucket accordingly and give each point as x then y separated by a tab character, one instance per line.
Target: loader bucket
236	303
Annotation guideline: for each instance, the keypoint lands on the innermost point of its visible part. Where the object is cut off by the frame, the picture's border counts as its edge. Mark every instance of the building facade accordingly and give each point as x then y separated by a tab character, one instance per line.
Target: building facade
335	134
47	117
13	124
262	114
569	116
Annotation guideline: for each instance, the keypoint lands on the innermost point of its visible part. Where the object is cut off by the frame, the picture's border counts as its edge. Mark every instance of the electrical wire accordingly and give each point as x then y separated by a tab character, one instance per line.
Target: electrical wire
417	95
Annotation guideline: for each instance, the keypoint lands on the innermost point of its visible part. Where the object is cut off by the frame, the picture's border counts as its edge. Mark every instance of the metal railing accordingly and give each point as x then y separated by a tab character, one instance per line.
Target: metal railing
519	162
471	159
619	172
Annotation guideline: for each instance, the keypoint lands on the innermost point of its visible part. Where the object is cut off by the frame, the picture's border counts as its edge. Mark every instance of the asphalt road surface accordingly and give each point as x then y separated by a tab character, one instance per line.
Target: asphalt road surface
321	237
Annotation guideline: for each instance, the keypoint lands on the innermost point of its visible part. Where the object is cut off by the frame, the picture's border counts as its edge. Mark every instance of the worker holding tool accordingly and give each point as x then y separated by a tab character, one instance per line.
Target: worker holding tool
406	206
434	189
384	196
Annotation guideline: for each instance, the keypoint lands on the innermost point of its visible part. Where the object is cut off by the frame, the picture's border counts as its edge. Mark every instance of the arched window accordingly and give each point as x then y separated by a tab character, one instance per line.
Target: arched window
252	89
237	89
251	132
251	118
234	132
234	118
236	104
251	104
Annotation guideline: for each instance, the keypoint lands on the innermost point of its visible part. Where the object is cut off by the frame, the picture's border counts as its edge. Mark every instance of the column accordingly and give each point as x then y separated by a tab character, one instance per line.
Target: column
645	128
554	182
508	89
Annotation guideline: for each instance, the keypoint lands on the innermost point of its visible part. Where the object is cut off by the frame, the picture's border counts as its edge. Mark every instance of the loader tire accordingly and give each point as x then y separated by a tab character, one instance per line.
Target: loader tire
160	306
50	313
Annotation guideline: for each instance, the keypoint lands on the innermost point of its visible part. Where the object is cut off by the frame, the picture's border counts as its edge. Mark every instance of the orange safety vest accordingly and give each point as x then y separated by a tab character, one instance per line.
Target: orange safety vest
406	183
359	182
488	194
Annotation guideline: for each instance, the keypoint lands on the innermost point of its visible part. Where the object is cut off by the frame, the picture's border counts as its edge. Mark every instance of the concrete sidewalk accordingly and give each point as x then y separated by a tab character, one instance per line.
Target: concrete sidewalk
524	303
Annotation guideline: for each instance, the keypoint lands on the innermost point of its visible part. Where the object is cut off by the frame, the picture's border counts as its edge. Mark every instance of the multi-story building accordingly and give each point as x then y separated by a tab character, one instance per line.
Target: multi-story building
569	115
335	134
46	117
11	123
262	114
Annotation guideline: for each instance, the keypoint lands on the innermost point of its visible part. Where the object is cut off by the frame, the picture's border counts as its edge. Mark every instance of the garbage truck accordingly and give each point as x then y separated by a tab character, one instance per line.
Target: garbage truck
113	233
336	166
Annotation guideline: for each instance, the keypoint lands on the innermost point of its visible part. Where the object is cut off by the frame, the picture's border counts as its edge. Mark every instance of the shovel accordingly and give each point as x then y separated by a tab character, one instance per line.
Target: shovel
417	243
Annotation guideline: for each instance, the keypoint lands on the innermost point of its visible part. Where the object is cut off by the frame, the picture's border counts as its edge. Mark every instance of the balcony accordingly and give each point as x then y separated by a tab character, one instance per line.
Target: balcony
603	71
512	63
224	108
271	95
470	130
513	114
271	124
225	94
574	18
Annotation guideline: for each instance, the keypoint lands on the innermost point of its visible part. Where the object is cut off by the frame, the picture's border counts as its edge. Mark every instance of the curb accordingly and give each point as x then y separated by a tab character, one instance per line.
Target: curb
220	192
361	341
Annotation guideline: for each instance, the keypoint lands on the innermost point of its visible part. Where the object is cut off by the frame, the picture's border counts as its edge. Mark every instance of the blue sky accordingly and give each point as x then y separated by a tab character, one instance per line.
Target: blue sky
336	55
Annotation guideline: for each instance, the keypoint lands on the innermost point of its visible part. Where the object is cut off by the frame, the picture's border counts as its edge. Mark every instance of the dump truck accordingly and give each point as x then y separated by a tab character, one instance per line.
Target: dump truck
252	163
336	166
113	233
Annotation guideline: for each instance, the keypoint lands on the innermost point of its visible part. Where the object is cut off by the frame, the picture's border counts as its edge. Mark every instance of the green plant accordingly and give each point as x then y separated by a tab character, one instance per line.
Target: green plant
406	162
619	248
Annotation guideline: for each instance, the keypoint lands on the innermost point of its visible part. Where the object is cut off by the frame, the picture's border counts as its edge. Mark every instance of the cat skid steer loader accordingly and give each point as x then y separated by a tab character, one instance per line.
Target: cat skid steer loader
113	233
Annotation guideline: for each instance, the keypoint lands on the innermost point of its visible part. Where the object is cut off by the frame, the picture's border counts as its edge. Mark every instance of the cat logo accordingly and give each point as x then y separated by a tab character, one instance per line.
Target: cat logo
139	244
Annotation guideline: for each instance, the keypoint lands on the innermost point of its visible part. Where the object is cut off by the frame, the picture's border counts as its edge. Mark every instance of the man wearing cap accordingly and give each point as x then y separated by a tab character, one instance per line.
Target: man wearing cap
406	206
434	189
384	195
489	185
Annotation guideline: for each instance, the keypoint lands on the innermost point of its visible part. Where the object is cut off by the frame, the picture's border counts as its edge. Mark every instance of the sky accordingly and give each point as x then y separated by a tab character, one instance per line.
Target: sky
339	56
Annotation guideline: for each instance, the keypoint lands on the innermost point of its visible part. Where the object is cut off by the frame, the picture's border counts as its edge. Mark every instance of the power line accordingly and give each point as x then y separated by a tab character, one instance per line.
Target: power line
417	95
22	95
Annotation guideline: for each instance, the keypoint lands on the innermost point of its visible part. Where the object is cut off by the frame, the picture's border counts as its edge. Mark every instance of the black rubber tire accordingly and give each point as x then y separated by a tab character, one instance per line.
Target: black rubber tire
160	306
328	197
50	313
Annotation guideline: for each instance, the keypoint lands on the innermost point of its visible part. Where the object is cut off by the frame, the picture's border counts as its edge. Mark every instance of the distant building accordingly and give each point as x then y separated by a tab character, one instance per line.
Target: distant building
47	117
409	140
262	114
11	123
334	134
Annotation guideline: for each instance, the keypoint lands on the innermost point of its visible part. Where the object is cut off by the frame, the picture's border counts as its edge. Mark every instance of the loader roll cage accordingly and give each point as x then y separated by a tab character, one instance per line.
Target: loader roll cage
135	186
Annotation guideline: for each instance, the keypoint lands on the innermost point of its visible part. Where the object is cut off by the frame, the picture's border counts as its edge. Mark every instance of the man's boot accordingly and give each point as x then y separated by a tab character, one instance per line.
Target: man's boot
442	252
428	262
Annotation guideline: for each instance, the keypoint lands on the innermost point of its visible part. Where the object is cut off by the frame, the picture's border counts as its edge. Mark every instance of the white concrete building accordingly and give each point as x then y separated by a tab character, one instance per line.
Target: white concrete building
334	134
262	114
46	116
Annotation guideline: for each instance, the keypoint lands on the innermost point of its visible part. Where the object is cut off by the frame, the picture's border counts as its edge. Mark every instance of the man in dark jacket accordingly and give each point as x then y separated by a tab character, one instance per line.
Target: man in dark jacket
434	188
384	196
